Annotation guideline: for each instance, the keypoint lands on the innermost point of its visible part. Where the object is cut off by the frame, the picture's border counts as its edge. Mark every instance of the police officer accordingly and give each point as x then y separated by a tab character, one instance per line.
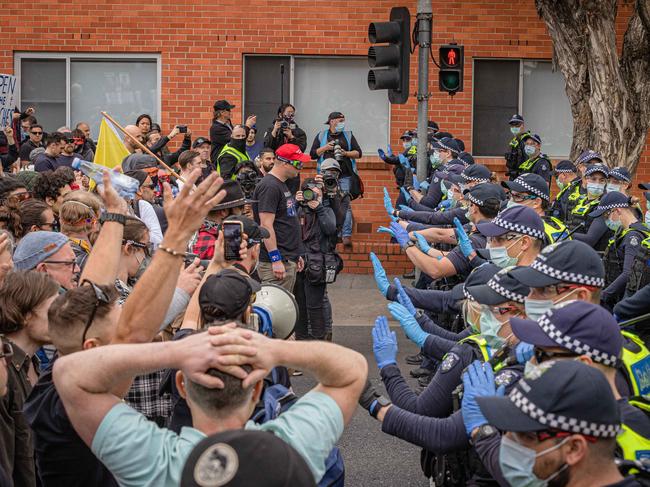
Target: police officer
623	220
532	190
555	432
586	228
568	183
233	152
409	144
515	155
619	180
536	162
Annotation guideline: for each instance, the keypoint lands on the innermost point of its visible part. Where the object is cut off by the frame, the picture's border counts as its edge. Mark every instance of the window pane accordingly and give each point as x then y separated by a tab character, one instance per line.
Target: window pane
546	108
496	99
262	88
42	86
324	85
124	89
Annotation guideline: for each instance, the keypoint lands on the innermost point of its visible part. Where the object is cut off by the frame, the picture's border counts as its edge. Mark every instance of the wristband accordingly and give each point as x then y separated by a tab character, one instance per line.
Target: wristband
172	252
113	217
275	256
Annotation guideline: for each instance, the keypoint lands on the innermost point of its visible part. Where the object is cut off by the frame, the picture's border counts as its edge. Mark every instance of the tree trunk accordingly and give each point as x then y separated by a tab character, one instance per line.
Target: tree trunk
609	95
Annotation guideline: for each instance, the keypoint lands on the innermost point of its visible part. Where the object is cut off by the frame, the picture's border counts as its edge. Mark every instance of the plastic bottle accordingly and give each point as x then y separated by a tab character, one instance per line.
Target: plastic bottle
125	186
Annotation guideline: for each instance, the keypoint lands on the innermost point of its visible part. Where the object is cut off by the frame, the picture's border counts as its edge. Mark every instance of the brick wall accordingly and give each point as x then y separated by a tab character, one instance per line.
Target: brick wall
202	44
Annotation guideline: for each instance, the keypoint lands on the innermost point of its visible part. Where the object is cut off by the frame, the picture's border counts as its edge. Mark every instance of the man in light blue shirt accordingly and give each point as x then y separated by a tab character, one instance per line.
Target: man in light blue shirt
221	374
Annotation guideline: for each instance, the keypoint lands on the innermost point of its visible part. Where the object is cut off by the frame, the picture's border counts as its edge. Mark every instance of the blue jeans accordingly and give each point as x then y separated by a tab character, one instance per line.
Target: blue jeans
345	183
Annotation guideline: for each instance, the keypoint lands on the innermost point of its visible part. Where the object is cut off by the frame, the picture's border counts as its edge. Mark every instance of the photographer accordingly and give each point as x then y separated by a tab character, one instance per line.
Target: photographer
322	263
158	144
339	144
285	130
247	176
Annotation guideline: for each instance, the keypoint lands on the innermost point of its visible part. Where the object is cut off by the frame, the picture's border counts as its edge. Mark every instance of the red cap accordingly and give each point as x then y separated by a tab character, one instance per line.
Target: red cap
291	152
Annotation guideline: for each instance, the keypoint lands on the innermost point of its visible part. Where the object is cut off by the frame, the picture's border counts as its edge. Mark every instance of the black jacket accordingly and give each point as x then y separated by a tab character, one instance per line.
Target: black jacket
219	136
299	138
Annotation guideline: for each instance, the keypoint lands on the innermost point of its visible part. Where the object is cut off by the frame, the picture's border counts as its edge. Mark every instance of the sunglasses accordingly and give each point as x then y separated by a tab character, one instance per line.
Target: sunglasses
148	248
518	197
6	349
36	133
542	355
69	141
101	297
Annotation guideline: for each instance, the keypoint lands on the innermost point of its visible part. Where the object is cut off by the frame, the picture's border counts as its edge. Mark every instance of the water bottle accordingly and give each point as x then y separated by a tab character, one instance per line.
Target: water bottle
125	186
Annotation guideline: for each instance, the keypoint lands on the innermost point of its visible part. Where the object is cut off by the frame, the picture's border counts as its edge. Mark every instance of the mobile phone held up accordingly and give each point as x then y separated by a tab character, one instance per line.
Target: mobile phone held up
182	129
232	237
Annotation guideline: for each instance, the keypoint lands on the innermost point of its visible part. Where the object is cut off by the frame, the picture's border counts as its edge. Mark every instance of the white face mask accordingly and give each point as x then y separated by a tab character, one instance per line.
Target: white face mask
529	150
517	463
515	130
613	187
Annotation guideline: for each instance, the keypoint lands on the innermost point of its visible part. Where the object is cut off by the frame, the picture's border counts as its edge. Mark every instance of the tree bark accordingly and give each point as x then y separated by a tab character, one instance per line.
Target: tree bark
609	95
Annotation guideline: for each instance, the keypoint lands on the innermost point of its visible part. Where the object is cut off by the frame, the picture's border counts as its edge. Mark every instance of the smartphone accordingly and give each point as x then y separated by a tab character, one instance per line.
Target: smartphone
182	129
232	235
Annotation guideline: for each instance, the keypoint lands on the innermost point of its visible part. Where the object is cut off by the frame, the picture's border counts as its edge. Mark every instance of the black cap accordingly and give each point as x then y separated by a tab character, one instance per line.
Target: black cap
251	228
480	275
518	219
243	458
529	183
565	166
442	135
516	118
234	196
477	172
433	125
485	193
594	168
570	261
333	116
200	141
566	395
611	200
223	105
620	174
229	291
467	158
447	143
460	144
500	289
408	134
581	327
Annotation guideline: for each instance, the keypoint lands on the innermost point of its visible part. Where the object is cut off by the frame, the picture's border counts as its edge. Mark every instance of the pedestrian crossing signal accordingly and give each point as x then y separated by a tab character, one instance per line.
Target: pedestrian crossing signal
451	68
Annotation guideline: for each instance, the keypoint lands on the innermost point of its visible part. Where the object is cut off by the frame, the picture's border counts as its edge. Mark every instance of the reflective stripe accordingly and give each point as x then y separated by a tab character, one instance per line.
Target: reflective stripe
637	365
633	445
239	156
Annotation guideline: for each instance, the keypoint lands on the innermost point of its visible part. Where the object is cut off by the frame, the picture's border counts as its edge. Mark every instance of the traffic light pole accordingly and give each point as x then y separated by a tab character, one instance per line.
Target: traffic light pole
424	18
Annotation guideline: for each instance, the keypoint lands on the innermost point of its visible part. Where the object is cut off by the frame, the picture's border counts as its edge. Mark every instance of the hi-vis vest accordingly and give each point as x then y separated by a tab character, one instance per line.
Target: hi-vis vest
636	363
239	157
580	213
554	229
528	164
633	446
323	141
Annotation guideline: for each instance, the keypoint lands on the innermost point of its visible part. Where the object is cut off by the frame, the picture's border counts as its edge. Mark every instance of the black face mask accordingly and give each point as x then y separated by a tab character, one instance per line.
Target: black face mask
239	144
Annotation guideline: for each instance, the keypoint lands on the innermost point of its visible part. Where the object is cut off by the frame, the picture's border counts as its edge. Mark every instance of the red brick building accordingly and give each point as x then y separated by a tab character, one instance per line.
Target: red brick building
174	59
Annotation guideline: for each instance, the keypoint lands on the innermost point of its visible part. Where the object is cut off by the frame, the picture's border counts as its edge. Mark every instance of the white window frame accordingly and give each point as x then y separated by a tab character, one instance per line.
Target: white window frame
292	59
520	95
88	56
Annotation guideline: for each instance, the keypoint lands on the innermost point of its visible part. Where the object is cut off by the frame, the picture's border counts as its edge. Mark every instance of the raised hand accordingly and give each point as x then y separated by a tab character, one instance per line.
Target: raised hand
524	352
406	194
422	243
388	204
408	323
380	274
464	242
416	183
478	381
384	343
403	298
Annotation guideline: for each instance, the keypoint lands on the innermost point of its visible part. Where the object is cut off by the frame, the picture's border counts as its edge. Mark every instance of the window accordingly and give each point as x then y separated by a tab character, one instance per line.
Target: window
69	88
318	86
505	87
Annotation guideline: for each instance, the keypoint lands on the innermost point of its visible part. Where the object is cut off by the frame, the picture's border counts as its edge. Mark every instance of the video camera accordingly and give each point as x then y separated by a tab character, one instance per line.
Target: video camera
247	180
330	182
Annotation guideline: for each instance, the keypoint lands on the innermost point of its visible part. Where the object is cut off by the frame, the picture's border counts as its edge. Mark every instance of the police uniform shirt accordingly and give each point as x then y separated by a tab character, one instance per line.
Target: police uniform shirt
596	236
433	197
439	217
625	251
543	167
636	305
432	300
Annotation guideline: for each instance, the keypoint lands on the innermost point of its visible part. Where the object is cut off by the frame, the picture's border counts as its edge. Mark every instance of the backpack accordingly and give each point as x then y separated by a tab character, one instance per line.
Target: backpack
277	399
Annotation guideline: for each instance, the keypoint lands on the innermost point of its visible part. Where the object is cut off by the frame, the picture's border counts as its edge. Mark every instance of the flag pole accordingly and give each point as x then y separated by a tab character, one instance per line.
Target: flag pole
142	146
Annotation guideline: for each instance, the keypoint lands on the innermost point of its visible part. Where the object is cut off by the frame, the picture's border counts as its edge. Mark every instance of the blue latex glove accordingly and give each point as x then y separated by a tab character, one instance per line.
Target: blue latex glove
386	230
424	186
416	183
524	352
380	274
403	298
390	150
406	194
388	204
446	204
382	154
404	161
401	235
384	343
478	381
464	242
408	323
422	243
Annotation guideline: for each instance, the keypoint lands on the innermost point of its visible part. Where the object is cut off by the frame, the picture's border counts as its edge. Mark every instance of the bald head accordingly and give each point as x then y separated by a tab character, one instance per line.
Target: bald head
135	131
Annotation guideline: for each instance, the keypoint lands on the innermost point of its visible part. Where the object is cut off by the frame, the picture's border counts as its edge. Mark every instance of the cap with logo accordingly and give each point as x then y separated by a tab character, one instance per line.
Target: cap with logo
518	219
569	261
485	193
557	395
243	458
291	152
477	172
200	141
581	327
565	166
35	247
529	183
620	174
597	168
223	105
501	288
480	275
330	164
516	119
614	199
228	291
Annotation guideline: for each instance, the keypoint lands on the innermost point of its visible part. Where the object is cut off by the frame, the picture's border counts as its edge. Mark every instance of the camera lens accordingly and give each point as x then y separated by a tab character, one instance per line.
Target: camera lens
308	195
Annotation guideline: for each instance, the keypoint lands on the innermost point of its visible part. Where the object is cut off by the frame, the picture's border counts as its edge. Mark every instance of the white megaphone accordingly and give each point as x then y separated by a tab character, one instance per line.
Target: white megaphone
277	311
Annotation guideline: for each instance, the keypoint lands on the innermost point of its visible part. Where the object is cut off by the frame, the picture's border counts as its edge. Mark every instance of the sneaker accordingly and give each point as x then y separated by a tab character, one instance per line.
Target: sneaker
420	372
414	359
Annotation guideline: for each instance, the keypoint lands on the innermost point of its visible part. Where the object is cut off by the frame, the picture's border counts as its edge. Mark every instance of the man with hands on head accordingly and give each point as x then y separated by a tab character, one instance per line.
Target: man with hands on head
221	375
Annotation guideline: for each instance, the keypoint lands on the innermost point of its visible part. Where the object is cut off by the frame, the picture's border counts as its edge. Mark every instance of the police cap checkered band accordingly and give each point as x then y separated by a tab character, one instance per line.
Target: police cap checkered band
502	291
572	344
611	206
474	178
517	227
564	171
558	421
474	200
467	295
532	189
594	168
587	156
565	276
448	146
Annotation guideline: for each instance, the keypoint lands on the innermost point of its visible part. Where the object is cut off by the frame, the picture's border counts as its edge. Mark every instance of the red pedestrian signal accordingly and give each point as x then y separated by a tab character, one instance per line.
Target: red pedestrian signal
451	68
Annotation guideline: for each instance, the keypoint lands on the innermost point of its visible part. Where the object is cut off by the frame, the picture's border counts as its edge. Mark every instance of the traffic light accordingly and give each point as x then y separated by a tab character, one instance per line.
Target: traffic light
393	58
451	68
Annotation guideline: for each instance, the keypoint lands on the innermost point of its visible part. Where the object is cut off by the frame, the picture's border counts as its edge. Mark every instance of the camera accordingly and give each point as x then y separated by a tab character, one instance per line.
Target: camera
338	150
182	129
308	194
247	180
330	183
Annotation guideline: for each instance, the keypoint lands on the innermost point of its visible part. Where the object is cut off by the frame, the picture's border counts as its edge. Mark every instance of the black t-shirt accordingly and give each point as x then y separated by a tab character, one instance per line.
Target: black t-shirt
25	149
62	458
273	196
45	162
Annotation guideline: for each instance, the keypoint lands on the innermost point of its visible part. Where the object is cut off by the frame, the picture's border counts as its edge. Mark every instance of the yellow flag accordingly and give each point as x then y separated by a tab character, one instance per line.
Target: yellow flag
110	148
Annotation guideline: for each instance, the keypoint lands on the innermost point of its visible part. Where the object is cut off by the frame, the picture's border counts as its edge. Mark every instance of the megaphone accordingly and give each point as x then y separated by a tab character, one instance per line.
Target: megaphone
277	310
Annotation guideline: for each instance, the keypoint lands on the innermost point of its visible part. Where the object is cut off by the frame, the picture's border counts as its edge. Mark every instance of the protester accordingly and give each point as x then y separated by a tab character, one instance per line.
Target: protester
52	186
142	205
188	161
144	123
11	156
221	129
253	146
53	147
35	140
35	215
79	222
202	146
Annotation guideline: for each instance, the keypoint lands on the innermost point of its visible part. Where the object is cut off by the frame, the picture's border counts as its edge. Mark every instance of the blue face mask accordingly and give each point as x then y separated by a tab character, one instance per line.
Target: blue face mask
517	463
340	127
613	187
612	225
535	308
595	189
499	256
515	130
512	204
529	150
435	158
407	145
450	194
414	142
490	327
443	187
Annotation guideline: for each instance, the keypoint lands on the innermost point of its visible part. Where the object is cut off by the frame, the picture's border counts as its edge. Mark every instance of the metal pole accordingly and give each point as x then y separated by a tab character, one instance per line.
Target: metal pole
281	84
424	18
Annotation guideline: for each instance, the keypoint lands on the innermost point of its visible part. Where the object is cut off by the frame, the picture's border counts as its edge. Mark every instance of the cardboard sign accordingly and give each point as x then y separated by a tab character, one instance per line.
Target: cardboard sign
8	100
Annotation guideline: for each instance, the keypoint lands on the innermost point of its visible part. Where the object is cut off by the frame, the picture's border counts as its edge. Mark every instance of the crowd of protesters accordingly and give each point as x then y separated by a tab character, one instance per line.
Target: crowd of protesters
135	355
